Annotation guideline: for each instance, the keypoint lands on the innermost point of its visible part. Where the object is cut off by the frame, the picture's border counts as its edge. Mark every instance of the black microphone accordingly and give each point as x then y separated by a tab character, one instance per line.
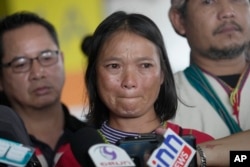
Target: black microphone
13	131
80	143
90	150
12	127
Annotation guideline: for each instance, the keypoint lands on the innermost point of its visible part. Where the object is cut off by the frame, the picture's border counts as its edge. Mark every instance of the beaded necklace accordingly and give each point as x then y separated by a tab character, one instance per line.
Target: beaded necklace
234	93
197	79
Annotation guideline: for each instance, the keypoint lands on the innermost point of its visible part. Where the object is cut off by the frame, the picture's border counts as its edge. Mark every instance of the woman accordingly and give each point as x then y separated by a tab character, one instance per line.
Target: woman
129	80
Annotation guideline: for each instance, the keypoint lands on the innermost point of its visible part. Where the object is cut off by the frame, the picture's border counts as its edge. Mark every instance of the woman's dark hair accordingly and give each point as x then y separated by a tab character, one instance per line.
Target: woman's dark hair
166	103
85	45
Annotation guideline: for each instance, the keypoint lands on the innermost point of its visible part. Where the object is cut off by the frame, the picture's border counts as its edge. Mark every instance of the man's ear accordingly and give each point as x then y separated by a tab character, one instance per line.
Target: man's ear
62	56
177	21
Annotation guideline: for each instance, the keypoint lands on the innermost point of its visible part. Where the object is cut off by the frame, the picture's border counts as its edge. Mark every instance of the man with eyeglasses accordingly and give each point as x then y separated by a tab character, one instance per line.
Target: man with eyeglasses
24	64
31	81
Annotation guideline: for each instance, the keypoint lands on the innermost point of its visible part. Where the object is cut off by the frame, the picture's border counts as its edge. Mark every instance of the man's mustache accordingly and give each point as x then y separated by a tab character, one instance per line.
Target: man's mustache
232	25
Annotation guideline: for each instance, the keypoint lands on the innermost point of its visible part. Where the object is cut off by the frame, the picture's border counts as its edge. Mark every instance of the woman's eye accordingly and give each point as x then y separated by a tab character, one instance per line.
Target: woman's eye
114	66
146	65
208	1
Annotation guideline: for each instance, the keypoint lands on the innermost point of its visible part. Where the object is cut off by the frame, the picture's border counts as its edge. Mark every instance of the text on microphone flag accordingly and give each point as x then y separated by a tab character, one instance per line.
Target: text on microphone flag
173	152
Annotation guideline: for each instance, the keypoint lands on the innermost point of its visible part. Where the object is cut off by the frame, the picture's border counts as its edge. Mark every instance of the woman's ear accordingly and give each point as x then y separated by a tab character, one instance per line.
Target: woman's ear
177	21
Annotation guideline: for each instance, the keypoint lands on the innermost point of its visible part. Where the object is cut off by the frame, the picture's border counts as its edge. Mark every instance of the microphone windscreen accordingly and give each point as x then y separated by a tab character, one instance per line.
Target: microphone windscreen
80	143
12	127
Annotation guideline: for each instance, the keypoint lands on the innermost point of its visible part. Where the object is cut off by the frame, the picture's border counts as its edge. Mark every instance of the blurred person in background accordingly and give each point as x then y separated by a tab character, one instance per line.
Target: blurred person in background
31	80
215	88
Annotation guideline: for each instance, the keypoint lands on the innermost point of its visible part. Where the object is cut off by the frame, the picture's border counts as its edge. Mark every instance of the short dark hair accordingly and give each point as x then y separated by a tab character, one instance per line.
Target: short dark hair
22	18
166	103
180	6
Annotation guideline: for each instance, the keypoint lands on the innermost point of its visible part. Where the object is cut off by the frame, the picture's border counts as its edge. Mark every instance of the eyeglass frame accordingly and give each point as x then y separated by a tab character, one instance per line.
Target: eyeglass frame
30	61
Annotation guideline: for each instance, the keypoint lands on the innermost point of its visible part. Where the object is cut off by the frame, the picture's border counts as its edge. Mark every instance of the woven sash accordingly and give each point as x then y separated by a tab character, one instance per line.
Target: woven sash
196	78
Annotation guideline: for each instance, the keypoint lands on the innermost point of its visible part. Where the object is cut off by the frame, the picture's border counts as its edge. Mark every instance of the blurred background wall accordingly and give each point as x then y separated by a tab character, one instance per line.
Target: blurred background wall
74	19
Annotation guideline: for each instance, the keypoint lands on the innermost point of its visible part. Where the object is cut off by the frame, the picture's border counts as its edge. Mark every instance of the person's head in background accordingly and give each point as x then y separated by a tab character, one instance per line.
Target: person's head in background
129	78
32	69
215	29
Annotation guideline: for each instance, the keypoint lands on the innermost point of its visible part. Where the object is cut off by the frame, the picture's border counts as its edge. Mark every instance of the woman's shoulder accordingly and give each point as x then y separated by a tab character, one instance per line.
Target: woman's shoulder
199	136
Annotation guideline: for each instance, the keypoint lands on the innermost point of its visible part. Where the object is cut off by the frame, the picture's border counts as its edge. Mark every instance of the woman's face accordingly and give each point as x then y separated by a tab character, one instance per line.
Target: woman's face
129	75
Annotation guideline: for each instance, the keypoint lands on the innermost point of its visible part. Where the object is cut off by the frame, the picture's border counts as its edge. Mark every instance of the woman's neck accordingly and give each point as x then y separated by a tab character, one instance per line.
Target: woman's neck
135	125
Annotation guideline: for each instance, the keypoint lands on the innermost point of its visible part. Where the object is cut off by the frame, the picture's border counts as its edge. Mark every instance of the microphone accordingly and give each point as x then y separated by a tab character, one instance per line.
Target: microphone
174	151
90	150
14	154
80	143
109	155
12	127
15	144
139	148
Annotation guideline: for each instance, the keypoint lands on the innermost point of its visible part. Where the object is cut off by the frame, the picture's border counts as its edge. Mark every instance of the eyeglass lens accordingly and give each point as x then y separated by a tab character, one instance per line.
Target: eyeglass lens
23	64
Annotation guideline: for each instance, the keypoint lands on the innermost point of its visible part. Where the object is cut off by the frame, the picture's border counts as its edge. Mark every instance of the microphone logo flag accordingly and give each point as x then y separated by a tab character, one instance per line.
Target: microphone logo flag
173	152
108	155
14	154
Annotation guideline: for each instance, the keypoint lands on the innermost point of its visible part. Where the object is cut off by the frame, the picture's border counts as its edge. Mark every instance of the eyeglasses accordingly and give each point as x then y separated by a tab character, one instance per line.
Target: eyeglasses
24	64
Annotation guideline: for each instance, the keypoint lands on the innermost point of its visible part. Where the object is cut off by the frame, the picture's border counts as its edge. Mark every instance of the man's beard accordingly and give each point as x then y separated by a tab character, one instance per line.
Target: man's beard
226	53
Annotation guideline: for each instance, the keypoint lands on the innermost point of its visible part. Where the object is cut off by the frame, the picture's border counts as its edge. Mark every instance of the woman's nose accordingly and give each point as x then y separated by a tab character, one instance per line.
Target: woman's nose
129	79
